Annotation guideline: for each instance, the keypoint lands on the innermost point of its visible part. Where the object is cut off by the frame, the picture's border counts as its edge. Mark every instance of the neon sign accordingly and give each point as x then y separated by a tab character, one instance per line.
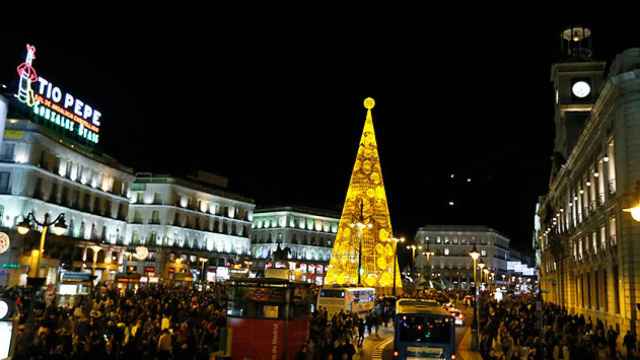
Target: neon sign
55	105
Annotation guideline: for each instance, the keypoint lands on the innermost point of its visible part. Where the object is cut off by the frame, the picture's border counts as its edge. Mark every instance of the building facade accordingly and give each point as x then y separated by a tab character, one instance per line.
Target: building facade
451	245
42	173
186	225
588	245
308	234
194	220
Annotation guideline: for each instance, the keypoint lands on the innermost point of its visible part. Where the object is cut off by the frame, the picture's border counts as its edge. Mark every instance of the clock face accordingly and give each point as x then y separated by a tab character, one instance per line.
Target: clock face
581	89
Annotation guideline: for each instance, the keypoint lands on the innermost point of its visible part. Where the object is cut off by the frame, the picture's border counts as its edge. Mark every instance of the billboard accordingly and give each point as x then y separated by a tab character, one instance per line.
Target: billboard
53	104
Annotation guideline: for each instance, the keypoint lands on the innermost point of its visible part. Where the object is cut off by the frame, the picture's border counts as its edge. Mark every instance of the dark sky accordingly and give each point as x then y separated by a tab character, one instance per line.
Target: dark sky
277	107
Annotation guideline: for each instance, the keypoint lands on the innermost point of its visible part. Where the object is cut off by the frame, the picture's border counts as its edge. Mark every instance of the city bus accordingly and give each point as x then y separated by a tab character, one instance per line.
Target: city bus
423	330
267	318
354	299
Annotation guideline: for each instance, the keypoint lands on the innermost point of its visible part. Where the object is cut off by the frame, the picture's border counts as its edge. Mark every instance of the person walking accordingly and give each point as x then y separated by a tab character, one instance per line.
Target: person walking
360	332
612	339
629	343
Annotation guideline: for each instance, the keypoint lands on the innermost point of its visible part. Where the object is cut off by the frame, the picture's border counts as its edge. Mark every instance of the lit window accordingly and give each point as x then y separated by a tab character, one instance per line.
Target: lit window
612	231
438	241
483	252
446	251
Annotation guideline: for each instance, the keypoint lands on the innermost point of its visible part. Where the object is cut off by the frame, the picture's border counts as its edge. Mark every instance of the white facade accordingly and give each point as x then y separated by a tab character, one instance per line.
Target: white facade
40	175
110	210
308	233
451	245
178	213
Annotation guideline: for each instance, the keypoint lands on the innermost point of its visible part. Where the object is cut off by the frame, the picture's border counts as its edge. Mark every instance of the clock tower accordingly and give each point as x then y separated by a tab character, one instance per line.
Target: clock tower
577	80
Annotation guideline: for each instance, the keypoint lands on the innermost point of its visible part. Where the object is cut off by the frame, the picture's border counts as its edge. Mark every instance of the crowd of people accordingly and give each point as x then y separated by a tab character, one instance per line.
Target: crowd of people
155	322
513	329
342	335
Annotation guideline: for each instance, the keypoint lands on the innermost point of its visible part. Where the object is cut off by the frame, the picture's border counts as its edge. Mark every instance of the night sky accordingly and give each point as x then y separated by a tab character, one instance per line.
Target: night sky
277	108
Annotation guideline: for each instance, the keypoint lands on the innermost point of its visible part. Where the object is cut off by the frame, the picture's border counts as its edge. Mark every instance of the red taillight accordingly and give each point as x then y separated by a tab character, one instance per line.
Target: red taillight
396	353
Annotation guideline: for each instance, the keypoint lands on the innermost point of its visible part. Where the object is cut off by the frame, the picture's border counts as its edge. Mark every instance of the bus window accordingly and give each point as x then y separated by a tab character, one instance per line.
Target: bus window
416	328
328	293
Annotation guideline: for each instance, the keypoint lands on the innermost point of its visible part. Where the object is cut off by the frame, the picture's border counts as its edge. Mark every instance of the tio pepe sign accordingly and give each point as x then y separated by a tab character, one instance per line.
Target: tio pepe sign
52	103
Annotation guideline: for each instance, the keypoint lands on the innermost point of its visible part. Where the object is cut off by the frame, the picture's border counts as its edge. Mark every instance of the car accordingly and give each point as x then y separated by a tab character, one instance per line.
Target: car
458	318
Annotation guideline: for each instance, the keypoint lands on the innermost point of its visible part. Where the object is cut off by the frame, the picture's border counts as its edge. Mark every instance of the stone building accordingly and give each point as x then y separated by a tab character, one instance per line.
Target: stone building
588	245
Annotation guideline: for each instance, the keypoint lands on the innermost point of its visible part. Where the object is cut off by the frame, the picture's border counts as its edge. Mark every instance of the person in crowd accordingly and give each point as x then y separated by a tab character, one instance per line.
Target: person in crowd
109	325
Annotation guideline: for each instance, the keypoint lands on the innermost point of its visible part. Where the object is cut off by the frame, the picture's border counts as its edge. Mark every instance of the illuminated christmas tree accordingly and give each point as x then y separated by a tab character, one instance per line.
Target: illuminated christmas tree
364	233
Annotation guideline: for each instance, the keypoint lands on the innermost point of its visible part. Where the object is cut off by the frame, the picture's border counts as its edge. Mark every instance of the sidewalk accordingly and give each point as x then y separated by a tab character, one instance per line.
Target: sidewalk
464	350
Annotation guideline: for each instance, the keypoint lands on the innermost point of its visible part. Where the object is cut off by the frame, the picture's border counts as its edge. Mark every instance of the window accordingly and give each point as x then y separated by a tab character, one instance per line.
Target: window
446	240
594	237
603	237
600	175
611	170
87	202
446	251
135	237
605	301
4	182
7	153
438	240
155	217
137	217
455	240
616	289
483	252
612	231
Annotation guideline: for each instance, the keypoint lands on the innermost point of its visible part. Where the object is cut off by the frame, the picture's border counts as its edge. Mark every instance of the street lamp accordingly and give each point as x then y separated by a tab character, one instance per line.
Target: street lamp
428	254
486	276
360	223
95	249
203	261
481	266
635	210
58	227
475	329
395	259
413	258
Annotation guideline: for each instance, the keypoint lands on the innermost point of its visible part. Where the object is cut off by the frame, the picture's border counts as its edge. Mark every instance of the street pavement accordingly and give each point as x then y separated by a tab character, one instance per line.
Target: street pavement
380	347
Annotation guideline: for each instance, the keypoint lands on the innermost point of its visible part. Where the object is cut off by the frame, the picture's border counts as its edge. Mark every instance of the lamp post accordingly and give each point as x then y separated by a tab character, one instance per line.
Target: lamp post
95	250
413	259
395	259
428	254
474	329
58	227
360	223
203	261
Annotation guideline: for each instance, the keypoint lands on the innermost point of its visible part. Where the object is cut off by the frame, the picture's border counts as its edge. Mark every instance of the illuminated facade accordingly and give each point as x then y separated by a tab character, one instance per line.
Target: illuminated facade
363	240
41	172
191	218
588	245
308	233
451	245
